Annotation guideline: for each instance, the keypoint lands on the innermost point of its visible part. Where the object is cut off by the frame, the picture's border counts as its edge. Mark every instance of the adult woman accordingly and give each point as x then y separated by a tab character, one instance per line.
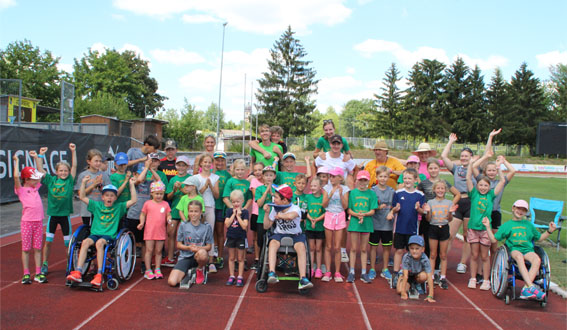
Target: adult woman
334	158
324	142
209	144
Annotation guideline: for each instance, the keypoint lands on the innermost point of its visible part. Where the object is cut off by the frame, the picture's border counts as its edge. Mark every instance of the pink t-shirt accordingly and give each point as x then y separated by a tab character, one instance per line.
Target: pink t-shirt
255	183
32	207
423	167
156	220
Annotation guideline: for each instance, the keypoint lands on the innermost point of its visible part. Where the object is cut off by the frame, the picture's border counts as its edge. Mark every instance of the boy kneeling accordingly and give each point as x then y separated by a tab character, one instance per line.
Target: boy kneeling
287	218
416	268
106	217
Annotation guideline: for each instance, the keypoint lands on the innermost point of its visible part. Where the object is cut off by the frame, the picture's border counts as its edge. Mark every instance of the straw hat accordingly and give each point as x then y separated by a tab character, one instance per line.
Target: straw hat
423	147
381	145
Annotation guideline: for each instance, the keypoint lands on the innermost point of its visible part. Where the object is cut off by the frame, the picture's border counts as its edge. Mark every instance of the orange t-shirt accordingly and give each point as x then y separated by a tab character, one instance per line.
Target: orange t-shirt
392	164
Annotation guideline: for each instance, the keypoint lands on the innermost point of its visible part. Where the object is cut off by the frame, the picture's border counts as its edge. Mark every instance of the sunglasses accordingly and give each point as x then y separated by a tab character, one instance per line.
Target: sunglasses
327	121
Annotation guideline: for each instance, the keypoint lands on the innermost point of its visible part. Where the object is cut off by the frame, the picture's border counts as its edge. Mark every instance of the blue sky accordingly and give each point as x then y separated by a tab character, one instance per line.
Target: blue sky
351	43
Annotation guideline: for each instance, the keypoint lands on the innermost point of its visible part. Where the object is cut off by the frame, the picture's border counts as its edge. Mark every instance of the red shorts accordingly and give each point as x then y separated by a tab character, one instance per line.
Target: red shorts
32	232
335	221
478	236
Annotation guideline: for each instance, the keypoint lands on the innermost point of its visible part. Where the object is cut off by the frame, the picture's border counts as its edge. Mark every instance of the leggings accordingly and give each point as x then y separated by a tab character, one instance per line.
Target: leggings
64	222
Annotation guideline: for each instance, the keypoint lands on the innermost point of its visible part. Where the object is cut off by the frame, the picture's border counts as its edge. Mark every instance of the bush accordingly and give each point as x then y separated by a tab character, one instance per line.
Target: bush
311	144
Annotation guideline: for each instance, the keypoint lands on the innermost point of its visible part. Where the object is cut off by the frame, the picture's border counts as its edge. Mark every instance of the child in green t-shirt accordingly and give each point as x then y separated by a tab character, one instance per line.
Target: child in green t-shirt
238	181
314	229
287	173
219	159
189	189
121	177
263	195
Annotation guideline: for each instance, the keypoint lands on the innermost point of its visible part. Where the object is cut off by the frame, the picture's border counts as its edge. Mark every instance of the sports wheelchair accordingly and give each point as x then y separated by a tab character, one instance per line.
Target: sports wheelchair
119	258
505	271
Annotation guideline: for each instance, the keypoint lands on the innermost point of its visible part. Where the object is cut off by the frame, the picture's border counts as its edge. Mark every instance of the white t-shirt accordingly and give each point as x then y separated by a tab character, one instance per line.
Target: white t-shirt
330	162
335	203
287	226
208	194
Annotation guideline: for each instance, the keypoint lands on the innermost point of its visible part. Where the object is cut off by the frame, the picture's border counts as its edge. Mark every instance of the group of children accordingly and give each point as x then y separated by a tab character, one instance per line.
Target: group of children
200	214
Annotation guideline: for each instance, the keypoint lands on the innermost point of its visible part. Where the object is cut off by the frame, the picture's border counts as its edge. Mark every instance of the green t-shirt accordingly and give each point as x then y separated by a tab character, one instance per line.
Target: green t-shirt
362	201
481	206
59	195
323	144
260	190
106	219
161	175
224	175
286	178
177	196
238	184
183	204
519	235
270	149
117	180
315	209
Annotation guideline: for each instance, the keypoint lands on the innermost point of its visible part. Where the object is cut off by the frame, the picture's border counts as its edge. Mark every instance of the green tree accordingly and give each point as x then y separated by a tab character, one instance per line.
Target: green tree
37	70
210	118
559	92
478	120
498	102
104	105
183	126
124	75
330	114
387	119
284	95
353	118
458	100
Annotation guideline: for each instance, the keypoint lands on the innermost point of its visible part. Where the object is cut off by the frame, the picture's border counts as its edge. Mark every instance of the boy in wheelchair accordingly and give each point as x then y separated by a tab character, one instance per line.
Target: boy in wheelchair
104	227
287	218
519	234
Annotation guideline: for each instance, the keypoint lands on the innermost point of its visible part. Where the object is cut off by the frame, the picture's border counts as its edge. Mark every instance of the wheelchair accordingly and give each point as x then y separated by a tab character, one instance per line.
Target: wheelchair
505	271
119	259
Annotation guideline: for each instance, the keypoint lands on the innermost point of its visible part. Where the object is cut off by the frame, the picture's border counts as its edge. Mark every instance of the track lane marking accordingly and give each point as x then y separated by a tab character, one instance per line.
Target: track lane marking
18	281
476	307
359	302
239	302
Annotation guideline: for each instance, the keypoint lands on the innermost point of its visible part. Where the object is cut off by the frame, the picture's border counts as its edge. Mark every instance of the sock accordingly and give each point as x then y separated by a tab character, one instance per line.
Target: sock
352	270
37	270
26	271
363	271
385	269
79	269
158	270
99	271
343	250
45	263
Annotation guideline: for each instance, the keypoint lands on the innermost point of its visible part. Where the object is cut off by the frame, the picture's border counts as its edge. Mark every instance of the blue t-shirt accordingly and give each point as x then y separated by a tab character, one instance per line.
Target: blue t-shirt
234	230
406	222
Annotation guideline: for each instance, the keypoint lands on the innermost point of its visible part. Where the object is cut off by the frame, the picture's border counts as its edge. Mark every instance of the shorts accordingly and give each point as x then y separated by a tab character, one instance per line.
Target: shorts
311	234
335	221
184	264
87	220
478	236
95	238
496	219
464	209
296	237
440	233
64	222
254	222
132	225
378	236
235	243
401	241
32	235
219	215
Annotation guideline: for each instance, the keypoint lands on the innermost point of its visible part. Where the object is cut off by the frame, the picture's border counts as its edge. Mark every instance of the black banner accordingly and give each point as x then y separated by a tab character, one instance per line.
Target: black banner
20	141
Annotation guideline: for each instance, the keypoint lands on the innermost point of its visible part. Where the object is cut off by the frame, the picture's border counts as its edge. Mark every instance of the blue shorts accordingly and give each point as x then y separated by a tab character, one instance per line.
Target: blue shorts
296	237
95	238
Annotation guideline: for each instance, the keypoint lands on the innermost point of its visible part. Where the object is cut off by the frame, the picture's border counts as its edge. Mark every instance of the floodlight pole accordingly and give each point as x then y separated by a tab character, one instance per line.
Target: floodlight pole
220	82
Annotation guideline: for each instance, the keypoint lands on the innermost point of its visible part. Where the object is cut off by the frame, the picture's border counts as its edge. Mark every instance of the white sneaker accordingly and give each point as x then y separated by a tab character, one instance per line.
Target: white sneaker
461	268
344	256
212	268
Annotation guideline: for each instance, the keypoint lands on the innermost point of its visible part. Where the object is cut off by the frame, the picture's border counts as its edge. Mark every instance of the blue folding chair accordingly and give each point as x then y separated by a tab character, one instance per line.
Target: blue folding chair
543	211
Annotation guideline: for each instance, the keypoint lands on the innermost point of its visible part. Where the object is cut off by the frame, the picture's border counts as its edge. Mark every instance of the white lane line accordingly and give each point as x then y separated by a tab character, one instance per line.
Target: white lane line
239	302
476	307
108	304
16	282
360	304
18	231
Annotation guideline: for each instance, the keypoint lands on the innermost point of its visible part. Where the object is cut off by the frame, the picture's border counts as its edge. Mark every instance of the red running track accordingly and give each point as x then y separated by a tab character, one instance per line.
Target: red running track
140	303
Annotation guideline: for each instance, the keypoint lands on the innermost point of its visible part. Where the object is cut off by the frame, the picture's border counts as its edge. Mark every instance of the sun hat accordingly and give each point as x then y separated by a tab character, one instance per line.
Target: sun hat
192	181
363	175
335	138
219	154
424	147
381	145
154	155
323	169
170	144
121	158
269	169
31	173
521	203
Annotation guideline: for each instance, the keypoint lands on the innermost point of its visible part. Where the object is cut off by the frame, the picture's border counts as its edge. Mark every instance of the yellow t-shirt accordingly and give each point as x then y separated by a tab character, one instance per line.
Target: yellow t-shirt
392	164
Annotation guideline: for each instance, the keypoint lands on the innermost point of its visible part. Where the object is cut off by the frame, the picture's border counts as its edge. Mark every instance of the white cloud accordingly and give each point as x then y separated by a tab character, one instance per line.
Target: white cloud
137	50
7	4
350	70
65	67
176	56
552	58
337	91
491	63
258	16
197	19
99	47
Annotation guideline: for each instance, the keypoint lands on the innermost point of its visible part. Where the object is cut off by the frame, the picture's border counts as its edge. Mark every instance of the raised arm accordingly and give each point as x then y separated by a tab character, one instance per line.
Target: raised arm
133	194
470	184
490	138
478	164
126	182
502	181
82	191
445	154
308	167
511	169
73	149
39	158
17	183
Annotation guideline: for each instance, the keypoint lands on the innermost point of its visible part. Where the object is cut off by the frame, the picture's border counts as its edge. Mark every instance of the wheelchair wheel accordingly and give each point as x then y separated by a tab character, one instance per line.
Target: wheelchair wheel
544	274
499	272
125	254
75	247
262	286
112	284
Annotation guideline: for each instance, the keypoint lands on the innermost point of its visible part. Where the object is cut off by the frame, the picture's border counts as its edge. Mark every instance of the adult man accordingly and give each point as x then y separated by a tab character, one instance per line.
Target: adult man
381	152
167	165
273	149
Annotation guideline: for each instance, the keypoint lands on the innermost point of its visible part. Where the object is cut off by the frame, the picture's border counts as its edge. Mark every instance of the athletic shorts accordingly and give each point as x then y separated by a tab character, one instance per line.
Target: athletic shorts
237	243
440	233
87	220
496	219
311	234
423	227
254	222
32	235
478	236
378	236
132	225
335	221
184	264
296	238
95	238
219	215
464	209
64	223
401	241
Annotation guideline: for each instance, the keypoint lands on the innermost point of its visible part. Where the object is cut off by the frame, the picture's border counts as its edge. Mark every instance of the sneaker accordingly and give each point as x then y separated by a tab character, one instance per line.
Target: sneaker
304	283
26	279
143	268
168	262
394	281
339	278
326	277
148	274
485	285
365	278
386	274
461	268
239	281
527	294
344	256
230	281
273	278
443	283
250	250
74	276
540	295
158	274
318	273
413	292
391	263
220	263
479	279
255	265
212	268
420	288
436	278
200	278
216	253
372	274
472	283
97	280
41	278
44	268
350	278
323	268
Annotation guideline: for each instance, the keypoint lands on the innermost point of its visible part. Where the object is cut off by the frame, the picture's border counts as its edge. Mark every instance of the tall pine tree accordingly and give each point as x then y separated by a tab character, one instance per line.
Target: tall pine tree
388	120
284	95
458	92
479	126
498	102
559	92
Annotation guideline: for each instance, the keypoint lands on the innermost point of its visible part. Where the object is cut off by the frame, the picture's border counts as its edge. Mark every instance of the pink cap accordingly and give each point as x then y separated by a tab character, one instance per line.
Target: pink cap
521	203
413	159
363	175
285	190
337	171
323	169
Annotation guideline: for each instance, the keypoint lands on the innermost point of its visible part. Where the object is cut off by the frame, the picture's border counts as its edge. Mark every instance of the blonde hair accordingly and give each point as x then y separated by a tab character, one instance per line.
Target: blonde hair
237	195
203	156
237	163
200	206
382	169
440	182
301	176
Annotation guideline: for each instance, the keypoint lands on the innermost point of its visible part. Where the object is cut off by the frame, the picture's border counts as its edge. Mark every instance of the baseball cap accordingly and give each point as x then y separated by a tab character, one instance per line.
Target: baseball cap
288	154
154	155
219	154
363	175
192	181
285	191
183	159
157	186
108	157
31	173
416	239
413	159
323	169
335	138
170	144
121	158
467	149
269	169
381	145
521	203
110	187
337	171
